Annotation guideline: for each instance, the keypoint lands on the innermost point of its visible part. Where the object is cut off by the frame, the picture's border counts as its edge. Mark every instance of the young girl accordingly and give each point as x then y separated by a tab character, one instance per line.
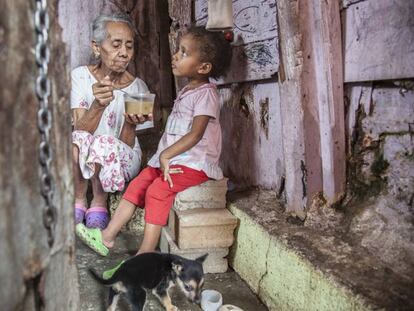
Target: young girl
189	150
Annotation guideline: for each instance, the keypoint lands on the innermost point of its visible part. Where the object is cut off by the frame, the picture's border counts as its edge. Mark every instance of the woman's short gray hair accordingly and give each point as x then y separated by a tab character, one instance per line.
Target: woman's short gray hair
99	32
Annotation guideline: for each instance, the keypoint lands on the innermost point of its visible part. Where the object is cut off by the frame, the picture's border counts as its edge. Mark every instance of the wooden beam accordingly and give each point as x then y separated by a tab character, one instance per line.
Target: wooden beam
311	90
290	83
325	36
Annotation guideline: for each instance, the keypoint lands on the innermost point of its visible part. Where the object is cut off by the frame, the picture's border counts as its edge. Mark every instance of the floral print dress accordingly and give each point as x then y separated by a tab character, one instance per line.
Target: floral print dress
119	162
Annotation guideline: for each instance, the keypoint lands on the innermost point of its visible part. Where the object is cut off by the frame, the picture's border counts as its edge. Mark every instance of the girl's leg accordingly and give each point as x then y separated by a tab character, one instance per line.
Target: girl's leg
151	236
80	184
159	199
122	215
134	196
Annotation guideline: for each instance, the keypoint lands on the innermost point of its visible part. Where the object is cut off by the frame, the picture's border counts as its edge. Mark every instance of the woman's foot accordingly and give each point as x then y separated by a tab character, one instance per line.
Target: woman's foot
80	210
97	217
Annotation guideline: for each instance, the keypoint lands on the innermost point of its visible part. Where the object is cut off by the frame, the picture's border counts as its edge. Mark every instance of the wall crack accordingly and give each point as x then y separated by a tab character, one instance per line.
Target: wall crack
264	274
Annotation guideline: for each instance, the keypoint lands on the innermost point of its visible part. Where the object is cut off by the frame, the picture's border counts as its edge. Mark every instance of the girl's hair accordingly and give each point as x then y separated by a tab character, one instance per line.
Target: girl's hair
99	32
213	48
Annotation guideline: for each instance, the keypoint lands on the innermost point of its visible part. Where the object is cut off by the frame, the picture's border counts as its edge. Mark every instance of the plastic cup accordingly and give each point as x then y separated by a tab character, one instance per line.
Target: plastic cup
211	300
139	103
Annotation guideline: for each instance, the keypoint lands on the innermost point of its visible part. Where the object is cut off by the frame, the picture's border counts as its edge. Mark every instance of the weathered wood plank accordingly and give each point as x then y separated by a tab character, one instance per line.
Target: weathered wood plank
253	21
290	72
254	61
310	79
255	52
379	40
251	124
35	275
151	66
325	36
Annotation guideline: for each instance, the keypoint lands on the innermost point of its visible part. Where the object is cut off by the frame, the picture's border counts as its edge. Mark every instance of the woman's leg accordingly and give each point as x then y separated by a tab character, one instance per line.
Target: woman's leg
80	183
99	195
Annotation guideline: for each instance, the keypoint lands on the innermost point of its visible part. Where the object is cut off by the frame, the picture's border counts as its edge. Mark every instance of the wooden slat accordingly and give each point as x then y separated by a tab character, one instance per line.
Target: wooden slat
152	59
254	61
311	89
253	20
379	40
255	52
290	83
325	28
34	276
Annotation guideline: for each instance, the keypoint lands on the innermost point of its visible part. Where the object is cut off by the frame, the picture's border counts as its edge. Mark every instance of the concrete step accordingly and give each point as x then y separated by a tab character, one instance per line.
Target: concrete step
203	228
294	267
216	261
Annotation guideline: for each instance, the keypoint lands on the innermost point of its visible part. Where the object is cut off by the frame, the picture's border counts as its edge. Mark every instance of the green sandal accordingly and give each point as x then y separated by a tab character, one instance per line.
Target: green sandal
109	273
92	237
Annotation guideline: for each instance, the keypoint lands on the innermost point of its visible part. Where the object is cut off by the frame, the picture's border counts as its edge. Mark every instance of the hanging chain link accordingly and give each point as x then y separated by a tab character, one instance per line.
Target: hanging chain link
44	117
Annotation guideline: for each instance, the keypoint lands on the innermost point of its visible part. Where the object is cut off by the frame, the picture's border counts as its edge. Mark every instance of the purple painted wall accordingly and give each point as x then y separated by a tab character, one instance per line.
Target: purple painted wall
252	139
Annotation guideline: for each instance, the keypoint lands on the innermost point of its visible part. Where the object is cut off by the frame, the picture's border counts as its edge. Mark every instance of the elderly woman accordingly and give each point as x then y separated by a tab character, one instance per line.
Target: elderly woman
105	148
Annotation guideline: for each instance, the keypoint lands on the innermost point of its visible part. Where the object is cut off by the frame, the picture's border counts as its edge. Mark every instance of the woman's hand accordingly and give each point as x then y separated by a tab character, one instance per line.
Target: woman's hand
135	119
166	170
103	91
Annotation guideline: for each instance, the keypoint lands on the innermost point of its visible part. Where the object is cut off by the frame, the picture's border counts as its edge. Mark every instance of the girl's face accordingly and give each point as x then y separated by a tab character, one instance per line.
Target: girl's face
117	49
186	62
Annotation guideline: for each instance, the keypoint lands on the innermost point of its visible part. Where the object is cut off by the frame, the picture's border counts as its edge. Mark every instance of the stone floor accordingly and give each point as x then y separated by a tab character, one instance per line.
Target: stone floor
93	295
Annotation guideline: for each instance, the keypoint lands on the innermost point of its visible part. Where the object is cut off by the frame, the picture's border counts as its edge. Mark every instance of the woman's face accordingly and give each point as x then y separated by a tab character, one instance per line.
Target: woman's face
117	49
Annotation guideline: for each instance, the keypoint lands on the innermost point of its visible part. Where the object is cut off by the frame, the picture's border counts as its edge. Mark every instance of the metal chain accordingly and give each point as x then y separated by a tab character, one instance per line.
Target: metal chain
44	117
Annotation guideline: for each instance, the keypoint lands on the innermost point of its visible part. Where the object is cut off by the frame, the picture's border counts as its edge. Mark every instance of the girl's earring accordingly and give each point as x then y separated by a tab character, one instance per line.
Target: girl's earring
97	55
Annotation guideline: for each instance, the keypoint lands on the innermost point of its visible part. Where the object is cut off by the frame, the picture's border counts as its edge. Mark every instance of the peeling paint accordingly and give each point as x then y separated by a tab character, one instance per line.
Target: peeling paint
264	116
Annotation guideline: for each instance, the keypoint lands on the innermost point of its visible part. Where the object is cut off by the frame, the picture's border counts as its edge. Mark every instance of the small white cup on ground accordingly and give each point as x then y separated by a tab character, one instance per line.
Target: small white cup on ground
211	300
229	308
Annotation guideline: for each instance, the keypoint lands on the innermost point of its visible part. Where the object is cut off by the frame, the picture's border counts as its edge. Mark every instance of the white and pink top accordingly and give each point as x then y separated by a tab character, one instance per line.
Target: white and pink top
205	155
119	162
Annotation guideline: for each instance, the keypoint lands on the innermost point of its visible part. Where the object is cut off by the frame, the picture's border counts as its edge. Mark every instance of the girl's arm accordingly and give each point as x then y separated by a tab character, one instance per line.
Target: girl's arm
189	140
185	143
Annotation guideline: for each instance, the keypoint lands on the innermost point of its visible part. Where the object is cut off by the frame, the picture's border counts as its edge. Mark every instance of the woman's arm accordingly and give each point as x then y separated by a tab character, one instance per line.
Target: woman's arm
185	143
88	120
128	129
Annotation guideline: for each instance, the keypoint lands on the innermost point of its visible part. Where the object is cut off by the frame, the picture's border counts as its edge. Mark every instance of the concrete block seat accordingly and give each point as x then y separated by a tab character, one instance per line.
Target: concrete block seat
216	261
199	223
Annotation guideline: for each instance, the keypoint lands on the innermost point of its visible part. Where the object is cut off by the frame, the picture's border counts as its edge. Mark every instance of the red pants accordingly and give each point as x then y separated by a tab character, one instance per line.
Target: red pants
149	190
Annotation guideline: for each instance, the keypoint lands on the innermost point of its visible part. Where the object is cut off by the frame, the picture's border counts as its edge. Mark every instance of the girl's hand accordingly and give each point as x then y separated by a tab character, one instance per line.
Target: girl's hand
166	170
135	119
103	91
